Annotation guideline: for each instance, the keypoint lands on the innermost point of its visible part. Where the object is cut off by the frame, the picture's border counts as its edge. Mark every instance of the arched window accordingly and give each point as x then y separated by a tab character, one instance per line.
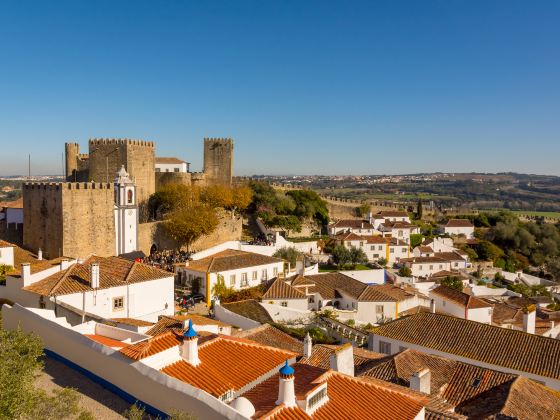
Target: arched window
129	196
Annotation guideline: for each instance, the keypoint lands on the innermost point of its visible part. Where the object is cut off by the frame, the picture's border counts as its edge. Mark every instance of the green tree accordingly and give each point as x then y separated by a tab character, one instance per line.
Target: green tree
405	271
362	210
382	262
453	282
4	269
135	412
187	224
488	251
288	223
415	239
341	256
220	289
419	209
357	256
289	254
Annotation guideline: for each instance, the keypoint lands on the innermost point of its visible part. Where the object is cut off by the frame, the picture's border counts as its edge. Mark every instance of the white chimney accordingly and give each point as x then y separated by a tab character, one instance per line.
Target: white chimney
529	319
26	274
94	276
64	264
189	348
433	306
40	255
307	346
421	381
370	217
342	359
286	389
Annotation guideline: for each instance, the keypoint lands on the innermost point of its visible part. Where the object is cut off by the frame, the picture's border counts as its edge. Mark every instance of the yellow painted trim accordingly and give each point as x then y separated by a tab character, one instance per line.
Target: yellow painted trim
208	289
396	310
387	253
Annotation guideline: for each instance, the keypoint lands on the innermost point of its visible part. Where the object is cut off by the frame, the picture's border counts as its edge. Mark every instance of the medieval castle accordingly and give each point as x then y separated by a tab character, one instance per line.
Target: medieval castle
81	216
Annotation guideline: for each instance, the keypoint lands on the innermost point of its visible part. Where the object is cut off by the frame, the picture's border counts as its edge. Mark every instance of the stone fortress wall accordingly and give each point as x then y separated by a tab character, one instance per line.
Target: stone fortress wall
72	219
76	218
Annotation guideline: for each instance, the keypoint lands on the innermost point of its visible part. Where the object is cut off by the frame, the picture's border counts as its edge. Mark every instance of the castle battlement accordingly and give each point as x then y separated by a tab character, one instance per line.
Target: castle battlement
219	140
134	142
58	186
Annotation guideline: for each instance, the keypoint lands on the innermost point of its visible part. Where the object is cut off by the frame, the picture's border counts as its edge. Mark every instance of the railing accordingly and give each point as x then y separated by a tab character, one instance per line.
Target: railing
355	335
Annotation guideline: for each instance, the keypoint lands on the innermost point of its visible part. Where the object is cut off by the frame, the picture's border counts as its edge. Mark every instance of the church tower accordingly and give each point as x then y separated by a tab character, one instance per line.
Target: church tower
126	214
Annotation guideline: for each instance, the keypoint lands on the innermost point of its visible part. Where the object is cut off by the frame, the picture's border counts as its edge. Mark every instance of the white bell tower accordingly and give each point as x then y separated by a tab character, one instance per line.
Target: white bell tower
126	214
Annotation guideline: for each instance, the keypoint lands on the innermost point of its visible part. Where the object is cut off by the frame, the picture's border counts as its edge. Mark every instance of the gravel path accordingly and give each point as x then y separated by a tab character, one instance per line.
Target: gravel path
102	403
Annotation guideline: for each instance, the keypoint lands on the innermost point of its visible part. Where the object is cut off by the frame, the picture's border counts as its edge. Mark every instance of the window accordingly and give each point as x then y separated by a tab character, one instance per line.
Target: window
400	233
456	264
379	309
380	248
176	169
404	250
317	398
284	304
372	248
42	304
275	271
118	303
129	196
311	299
232	280
255	274
243	279
384	347
167	170
440	266
264	275
419	267
392	250
375	255
361	244
431	267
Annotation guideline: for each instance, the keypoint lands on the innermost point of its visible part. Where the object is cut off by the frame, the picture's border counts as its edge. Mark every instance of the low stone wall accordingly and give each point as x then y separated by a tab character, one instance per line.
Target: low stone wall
229	229
225	315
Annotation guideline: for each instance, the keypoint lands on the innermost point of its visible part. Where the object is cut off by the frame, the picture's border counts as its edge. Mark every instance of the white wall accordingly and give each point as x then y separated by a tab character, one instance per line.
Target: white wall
467	231
14	215
428	268
298	304
170	167
225	315
140	381
376	276
285	314
7	256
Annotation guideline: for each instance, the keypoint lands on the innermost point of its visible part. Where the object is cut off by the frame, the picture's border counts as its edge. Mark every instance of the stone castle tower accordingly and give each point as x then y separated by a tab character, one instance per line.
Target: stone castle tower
107	156
218	161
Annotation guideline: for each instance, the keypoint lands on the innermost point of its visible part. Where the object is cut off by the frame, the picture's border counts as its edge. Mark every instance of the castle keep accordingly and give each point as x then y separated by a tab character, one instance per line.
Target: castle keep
85	215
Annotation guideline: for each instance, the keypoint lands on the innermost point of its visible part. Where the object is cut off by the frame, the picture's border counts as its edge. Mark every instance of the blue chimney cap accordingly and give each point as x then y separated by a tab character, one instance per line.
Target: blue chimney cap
287	370
190	332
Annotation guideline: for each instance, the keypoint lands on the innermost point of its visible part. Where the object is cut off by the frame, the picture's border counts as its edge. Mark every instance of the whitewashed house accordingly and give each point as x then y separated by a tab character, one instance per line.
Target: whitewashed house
456	227
238	269
357	226
394	216
105	287
171	164
398	230
6	253
453	302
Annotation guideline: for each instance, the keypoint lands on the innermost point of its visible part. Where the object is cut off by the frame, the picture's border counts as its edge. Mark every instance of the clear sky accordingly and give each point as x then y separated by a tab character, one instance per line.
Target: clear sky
302	86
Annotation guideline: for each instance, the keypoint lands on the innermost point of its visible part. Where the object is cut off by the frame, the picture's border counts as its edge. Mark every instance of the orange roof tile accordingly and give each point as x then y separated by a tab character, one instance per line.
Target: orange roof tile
228	364
110	342
279	289
460	298
231	259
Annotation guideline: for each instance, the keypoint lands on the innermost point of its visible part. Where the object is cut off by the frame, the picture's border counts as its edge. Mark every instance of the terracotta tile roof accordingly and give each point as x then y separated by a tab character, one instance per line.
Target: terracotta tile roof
328	283
321	356
397	242
459	223
384	293
425	260
176	322
169	160
15	204
349	397
399	225
113	272
469	381
473	340
109	342
268	335
231	259
22	256
133	321
400	367
450	256
446	273
348	236
227	364
353	224
414	310
249	309
4	244
279	289
376	239
425	249
152	345
460	298
520	398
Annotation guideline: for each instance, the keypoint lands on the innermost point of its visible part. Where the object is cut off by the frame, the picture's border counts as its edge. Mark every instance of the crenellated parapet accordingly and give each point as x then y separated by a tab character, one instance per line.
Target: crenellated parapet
58	186
120	142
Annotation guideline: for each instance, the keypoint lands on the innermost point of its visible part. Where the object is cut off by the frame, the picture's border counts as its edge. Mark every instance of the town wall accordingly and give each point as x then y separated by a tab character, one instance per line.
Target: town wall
229	229
218	160
168	178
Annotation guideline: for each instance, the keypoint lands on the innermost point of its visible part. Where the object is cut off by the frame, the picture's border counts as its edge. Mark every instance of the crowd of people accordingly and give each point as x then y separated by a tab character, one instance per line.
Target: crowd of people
166	259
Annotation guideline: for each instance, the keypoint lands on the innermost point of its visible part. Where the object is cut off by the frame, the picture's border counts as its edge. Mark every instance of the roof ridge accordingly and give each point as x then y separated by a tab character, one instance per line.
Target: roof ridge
64	277
132	267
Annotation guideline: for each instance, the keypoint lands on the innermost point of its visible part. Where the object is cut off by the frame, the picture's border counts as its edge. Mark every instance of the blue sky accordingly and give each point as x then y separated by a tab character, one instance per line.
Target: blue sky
302	86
